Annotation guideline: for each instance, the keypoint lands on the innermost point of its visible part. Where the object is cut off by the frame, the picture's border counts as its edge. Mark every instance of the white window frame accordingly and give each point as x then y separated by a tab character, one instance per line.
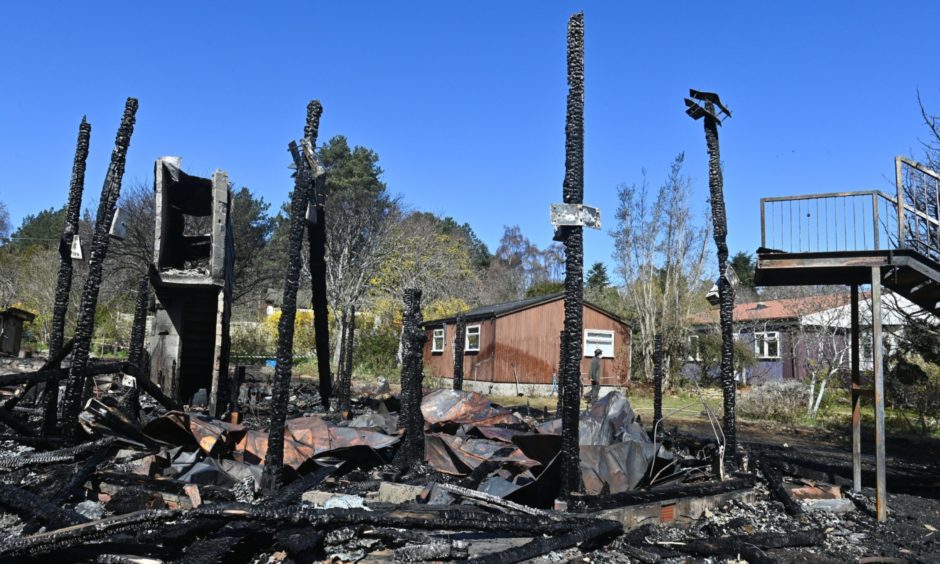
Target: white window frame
607	348
764	338
476	330
435	335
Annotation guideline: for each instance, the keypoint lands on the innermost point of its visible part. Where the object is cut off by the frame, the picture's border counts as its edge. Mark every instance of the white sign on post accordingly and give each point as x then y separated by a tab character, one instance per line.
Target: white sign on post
77	248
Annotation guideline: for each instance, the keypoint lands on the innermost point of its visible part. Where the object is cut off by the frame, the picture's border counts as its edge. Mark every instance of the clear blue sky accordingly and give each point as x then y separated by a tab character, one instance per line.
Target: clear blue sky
465	101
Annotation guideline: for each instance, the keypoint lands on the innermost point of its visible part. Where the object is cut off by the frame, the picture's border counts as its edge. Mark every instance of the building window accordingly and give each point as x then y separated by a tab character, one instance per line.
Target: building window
473	339
695	349
767	344
599	339
437	342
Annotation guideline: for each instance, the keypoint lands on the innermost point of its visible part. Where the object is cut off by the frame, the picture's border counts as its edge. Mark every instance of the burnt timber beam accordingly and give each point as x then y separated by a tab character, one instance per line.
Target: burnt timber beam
316	235
85	327
586	504
64	281
411	452
573	192
274	457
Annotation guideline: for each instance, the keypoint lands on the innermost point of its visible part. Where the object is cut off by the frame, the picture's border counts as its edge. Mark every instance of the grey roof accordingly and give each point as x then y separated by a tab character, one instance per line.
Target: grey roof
499	310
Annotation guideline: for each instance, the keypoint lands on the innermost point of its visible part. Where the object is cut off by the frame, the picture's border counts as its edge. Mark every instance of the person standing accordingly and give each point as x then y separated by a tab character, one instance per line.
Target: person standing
595	375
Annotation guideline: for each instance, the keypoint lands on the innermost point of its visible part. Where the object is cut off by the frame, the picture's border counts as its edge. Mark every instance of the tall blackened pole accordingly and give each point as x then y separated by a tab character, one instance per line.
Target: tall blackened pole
411	452
720	226
316	236
72	215
280	390
64	283
85	327
460	336
573	191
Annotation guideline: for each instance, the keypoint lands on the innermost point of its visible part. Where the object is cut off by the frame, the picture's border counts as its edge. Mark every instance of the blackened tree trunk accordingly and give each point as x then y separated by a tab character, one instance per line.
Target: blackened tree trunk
317	242
657	379
460	336
85	327
280	391
411	452
64	283
725	290
574	260
345	390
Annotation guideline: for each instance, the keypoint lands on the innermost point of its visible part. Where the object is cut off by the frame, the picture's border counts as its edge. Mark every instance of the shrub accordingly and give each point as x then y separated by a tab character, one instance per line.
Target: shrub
779	401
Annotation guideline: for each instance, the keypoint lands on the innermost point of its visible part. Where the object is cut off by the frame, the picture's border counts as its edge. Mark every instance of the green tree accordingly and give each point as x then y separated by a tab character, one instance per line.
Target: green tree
744	267
4	221
597	279
43	229
544	288
252	229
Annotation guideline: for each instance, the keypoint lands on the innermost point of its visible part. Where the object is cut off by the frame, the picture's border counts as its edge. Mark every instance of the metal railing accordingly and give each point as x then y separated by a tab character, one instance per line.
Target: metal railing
858	221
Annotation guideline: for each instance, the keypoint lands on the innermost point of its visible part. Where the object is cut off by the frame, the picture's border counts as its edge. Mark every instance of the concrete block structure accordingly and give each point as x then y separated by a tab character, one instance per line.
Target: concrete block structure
192	275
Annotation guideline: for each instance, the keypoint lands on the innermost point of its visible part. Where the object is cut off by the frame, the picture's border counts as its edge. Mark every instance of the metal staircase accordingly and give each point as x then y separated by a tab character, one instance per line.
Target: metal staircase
859	238
836	238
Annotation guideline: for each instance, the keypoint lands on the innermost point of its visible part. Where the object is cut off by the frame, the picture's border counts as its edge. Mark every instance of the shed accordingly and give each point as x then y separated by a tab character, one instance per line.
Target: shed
518	342
11	329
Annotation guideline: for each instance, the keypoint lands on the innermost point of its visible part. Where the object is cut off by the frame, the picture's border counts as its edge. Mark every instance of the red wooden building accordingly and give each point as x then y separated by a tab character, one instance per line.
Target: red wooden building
518	342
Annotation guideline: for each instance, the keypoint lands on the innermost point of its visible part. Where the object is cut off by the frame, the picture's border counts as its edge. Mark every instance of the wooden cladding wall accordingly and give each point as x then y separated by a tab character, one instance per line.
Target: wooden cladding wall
524	345
476	365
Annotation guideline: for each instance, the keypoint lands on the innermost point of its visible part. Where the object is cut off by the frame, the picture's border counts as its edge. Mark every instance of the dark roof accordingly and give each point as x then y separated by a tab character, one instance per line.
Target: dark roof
505	308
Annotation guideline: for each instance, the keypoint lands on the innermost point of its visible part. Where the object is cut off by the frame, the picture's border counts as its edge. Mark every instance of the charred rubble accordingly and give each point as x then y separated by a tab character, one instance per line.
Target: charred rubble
176	457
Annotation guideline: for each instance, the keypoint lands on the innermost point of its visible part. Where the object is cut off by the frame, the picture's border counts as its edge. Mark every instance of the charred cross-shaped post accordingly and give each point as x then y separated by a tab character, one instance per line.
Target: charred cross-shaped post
573	236
64	283
657	379
280	392
411	452
85	327
460	335
707	105
316	235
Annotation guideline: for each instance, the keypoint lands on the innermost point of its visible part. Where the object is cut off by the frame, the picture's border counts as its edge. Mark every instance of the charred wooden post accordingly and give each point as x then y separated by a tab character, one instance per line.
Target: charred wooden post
460	337
280	391
720	227
316	236
64	282
657	379
72	401
411	452
775	485
72	215
560	389
345	387
341	362
574	260
135	355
